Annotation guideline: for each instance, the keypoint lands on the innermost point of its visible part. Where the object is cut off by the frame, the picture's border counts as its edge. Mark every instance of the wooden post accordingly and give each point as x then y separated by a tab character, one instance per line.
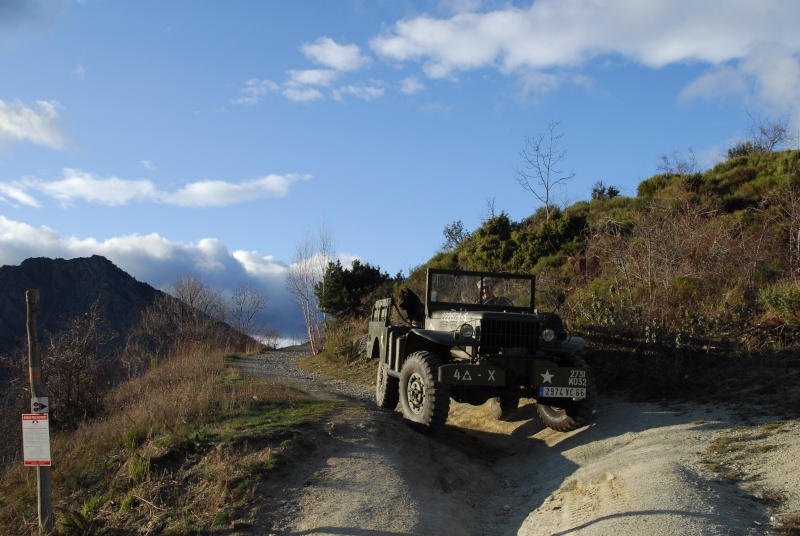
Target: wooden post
37	391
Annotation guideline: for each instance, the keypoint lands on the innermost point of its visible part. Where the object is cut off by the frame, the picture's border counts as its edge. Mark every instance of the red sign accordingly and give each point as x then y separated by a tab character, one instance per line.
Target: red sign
36	438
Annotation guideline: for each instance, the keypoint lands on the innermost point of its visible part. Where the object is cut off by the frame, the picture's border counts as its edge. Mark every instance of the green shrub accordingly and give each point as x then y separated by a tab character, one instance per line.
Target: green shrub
784	304
652	186
341	341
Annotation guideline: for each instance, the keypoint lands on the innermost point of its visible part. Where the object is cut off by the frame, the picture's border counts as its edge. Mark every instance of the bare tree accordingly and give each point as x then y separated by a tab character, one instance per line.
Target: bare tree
245	304
79	369
767	135
676	164
782	207
541	171
197	294
311	257
490	208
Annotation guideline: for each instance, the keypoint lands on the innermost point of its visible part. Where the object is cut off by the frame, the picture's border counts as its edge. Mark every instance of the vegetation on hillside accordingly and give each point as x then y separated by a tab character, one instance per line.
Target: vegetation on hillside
180	446
703	259
706	261
179	450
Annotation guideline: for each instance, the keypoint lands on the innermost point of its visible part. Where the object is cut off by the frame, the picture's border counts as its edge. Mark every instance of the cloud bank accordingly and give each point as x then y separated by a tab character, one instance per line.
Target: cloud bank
76	185
159	262
752	49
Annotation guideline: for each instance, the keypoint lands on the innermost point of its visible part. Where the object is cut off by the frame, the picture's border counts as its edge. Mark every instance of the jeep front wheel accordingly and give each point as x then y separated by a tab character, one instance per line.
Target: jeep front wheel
387	388
423	398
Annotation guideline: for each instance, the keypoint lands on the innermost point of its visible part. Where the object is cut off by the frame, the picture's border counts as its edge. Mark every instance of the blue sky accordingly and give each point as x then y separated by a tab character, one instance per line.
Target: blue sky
211	138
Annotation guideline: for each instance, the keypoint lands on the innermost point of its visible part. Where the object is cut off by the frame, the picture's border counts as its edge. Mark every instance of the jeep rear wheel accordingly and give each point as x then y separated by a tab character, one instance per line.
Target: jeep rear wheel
569	414
387	388
423	398
504	408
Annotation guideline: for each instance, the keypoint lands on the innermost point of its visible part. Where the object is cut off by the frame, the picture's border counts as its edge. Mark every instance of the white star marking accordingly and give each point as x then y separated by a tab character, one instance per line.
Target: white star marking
547	377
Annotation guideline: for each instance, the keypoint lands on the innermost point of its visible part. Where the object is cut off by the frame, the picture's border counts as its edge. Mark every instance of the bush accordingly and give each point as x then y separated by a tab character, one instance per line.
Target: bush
343	339
783	307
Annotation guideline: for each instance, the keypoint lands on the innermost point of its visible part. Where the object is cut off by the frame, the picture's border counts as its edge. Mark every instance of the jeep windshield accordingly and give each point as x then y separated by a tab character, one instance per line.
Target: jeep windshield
459	290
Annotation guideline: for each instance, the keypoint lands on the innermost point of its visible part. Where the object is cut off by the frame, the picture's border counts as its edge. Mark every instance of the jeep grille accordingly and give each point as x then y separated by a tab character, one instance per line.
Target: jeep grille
498	334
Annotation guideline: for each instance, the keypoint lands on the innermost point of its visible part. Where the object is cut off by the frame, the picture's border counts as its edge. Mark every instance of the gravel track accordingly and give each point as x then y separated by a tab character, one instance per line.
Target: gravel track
636	469
283	365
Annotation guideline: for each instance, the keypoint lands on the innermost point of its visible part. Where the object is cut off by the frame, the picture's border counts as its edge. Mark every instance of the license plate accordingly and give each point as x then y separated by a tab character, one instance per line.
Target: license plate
562	392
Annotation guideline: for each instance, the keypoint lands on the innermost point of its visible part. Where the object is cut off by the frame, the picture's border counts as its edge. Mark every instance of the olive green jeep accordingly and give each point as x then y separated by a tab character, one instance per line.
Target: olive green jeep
478	338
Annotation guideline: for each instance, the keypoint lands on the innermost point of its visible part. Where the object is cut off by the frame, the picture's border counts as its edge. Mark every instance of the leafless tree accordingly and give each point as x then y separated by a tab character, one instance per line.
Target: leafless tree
767	135
677	164
190	313
197	294
79	371
245	304
783	210
308	266
541	171
490	208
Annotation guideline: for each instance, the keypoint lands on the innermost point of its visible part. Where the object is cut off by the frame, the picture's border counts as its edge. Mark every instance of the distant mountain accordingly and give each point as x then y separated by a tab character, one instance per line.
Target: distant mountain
68	288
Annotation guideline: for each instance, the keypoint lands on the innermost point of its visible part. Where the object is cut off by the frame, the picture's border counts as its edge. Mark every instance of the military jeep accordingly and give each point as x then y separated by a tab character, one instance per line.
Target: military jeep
477	338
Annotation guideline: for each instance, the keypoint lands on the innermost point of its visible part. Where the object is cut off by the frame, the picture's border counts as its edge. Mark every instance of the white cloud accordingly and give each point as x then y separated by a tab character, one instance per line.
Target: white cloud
312	77
303	94
14	195
554	33
411	85
148	165
258	265
770	73
326	51
79	71
721	82
159	262
542	41
253	90
80	185
303	85
19	123
366	93
776	72
221	193
77	185
19	241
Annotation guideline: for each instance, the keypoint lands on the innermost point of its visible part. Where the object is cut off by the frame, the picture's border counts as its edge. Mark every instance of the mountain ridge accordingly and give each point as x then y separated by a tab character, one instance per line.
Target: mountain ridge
68	288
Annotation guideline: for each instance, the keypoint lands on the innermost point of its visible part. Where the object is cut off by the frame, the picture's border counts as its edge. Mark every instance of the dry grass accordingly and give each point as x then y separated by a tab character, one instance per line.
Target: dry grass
790	525
178	450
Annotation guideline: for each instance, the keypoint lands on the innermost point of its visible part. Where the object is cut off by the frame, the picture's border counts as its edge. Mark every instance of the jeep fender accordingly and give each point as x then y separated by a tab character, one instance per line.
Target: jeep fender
438	342
570	346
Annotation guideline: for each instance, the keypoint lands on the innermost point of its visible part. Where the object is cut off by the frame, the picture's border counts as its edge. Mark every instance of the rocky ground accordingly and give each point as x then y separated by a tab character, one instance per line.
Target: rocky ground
636	469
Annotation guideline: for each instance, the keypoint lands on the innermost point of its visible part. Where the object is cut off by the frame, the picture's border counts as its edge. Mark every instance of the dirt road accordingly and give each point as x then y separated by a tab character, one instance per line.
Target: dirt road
636	469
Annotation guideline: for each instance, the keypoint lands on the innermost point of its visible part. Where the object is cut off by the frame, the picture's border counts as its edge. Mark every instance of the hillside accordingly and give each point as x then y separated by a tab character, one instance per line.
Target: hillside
698	260
67	289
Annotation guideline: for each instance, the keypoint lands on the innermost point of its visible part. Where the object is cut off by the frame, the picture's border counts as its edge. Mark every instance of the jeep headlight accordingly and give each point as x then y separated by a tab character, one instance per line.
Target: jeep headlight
466	331
548	335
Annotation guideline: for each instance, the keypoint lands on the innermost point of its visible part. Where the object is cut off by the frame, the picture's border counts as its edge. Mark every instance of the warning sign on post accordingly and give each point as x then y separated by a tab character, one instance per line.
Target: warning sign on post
36	438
